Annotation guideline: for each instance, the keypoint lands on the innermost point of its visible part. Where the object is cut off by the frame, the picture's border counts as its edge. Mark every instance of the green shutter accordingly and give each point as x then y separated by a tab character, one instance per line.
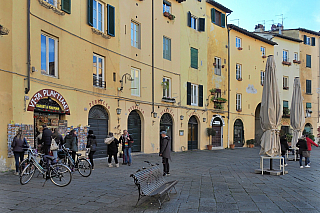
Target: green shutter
66	6
213	15
188	93
90	12
308	86
194	58
202	22
304	39
308	61
189	19
200	104
308	105
223	20
313	41
285	104
111	20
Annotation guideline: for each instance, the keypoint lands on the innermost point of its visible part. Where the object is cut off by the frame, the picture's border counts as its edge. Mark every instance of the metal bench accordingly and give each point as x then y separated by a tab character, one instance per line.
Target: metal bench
150	182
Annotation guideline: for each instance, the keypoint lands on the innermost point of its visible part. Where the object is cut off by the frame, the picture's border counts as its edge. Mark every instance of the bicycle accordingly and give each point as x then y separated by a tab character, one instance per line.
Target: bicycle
81	164
59	174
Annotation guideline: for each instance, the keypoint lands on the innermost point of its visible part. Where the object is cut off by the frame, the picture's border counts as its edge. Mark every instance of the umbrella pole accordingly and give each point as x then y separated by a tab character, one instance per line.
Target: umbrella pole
271	164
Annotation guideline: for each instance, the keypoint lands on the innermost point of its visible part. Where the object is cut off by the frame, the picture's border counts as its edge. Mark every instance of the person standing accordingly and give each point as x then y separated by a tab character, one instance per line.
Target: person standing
71	142
126	140
92	144
303	151
46	139
284	148
17	148
309	143
59	140
113	151
165	149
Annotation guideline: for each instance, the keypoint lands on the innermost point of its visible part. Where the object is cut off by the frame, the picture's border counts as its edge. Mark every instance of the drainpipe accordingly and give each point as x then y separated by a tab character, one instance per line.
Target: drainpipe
228	81
152	58
26	91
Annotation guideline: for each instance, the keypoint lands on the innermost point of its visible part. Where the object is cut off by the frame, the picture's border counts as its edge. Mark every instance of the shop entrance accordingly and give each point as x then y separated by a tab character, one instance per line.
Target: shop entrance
166	125
218	127
98	121
192	133
134	129
238	134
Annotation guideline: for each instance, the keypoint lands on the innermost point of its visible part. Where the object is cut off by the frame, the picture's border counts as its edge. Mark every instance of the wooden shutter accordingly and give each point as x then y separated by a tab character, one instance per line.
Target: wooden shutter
90	12
308	61
308	106
200	104
66	6
313	41
202	22
223	20
213	15
304	39
194	58
111	20
188	93
189	19
308	85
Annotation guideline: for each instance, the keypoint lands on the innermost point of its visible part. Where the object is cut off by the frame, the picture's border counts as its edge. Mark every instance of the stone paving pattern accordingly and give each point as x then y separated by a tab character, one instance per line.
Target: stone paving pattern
209	181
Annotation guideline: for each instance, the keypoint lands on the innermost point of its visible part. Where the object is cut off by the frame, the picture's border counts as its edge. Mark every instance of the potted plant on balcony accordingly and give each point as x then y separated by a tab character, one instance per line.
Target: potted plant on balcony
239	79
166	14
264	56
212	91
210	132
171	17
221	100
218	105
239	48
286	113
251	143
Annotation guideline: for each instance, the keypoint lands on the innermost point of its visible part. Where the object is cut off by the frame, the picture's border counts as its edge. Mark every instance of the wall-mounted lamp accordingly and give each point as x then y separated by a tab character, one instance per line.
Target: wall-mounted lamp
155	114
124	79
118	111
181	117
204	119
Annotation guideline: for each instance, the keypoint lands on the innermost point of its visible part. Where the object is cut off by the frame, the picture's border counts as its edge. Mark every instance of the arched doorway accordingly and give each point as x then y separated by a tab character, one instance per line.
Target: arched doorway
134	129
98	122
308	128
217	125
166	125
193	133
238	134
258	129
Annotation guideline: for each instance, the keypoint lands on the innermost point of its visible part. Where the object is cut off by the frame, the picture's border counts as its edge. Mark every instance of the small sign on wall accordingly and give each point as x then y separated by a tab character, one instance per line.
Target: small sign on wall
181	132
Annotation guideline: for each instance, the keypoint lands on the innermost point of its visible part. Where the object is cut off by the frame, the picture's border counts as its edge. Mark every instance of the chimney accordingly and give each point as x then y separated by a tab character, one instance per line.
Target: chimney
278	27
259	28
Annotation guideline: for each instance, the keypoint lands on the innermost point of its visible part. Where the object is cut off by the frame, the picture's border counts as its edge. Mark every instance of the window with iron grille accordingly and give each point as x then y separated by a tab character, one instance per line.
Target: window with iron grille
238	71
98	71
217	69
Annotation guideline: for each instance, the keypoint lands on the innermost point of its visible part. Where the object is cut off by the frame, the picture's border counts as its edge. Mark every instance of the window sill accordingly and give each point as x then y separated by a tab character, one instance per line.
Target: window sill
239	79
308	67
239	110
296	62
286	63
168	100
194	104
286	88
51	76
308	93
98	87
98	32
50	6
194	68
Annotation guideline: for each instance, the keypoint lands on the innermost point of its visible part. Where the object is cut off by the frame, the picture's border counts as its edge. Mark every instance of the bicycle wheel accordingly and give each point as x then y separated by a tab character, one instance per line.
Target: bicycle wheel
27	173
84	167
23	164
60	175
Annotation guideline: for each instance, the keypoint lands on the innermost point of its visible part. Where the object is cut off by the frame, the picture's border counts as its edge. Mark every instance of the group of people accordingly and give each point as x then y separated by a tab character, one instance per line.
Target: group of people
304	145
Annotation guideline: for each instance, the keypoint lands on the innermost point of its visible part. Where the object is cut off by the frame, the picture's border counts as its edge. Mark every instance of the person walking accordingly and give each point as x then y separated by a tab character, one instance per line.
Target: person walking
71	142
284	148
59	140
17	148
113	151
303	151
309	143
92	144
46	139
165	149
126	140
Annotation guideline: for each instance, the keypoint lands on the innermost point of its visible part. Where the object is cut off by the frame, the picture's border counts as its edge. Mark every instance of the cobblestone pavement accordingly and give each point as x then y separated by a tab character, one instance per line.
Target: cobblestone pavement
209	181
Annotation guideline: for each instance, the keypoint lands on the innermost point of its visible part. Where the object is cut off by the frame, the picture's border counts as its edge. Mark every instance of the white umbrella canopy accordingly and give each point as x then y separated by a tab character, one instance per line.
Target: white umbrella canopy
270	112
297	118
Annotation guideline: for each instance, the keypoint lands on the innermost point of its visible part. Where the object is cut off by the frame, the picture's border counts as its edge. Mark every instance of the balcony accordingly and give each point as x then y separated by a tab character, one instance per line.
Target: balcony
286	63
168	100
98	82
296	62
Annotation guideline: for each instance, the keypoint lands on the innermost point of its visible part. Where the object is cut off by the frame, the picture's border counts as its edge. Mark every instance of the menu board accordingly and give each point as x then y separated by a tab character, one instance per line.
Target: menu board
27	132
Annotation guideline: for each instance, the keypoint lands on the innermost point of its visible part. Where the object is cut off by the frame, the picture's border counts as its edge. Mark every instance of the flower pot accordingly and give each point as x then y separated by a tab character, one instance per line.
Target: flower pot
222	66
166	14
239	48
212	93
239	79
251	145
232	146
264	56
171	17
209	147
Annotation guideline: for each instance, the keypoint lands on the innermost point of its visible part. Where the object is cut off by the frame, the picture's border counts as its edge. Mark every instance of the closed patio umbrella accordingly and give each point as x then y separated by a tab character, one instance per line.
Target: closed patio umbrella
297	118
270	112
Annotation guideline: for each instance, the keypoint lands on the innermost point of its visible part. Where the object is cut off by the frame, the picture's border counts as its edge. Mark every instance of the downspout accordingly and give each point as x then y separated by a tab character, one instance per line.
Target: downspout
152	58
28	49
228	81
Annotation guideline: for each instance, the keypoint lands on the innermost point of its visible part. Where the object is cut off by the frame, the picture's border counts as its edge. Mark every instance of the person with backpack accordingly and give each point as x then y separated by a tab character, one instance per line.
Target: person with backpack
165	149
112	150
71	142
92	144
46	139
18	144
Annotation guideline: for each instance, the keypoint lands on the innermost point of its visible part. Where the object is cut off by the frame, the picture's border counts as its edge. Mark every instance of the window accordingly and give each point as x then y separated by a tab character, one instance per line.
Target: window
217	69
238	71
166	87
111	20
194	22
135	34
167	48
98	15
308	105
238	42
296	56
238	102
285	109
306	40
262	76
308	61
52	2
49	55
285	105
285	82
98	71
285	55
194	94
194	58
308	86
263	51
166	6
218	18
135	84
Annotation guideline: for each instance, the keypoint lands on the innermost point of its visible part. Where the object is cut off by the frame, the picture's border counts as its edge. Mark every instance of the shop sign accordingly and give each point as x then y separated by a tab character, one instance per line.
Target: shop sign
136	108
48	93
170	111
42	106
99	102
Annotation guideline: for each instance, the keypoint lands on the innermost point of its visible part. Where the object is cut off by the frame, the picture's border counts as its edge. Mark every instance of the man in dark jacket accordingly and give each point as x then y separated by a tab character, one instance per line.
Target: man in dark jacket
126	140
303	148
46	139
165	149
284	148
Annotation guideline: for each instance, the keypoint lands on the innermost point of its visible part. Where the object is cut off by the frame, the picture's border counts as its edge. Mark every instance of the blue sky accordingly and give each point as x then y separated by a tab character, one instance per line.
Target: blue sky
297	13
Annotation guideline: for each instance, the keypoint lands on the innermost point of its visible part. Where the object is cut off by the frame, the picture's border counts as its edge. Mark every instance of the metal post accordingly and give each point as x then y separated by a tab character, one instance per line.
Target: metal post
152	57
271	164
